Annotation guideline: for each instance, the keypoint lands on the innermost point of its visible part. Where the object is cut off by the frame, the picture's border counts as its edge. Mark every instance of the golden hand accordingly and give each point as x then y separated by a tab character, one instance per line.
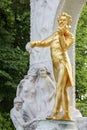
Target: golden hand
62	30
33	44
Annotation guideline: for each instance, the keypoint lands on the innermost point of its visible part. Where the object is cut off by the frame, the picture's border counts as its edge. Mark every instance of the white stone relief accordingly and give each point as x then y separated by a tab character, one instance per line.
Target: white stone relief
38	94
17	116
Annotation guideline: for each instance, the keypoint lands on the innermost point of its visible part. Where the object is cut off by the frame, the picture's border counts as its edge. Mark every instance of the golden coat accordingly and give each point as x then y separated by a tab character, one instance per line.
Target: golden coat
59	46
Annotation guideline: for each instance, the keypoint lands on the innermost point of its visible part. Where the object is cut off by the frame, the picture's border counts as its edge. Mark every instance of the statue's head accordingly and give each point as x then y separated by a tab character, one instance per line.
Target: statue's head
43	72
18	103
64	18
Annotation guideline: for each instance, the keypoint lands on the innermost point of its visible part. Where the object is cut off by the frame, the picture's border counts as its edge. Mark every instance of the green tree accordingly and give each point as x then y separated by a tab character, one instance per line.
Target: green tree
14	65
14	22
5	122
14	34
81	62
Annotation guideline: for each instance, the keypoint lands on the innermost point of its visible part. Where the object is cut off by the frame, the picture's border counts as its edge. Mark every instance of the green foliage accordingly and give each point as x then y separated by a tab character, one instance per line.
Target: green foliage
81	55
82	106
5	122
81	63
13	66
14	22
14	34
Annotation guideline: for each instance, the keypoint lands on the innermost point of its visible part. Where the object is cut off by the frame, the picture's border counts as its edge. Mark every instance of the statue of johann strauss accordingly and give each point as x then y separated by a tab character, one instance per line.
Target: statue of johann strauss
37	96
59	43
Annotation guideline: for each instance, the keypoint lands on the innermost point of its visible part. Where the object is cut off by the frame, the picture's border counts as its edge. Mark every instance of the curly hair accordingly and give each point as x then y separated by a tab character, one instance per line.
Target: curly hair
68	17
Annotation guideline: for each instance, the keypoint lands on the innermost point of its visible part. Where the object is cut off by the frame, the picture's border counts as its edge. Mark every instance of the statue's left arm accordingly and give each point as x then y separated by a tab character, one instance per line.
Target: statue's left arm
66	40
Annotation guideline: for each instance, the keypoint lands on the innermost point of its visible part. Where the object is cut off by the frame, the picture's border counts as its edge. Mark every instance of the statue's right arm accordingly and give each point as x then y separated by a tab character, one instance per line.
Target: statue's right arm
13	118
17	119
43	43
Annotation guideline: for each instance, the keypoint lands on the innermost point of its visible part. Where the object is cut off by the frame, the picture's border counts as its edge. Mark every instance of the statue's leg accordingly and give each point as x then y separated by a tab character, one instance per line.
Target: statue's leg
61	77
66	105
61	83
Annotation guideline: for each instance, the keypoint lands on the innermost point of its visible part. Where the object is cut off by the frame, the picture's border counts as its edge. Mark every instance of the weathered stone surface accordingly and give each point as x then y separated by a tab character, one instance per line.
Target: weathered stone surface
82	123
56	125
78	124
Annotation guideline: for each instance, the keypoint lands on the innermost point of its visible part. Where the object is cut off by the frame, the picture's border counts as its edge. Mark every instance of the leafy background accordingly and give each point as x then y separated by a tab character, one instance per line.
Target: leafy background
14	60
81	62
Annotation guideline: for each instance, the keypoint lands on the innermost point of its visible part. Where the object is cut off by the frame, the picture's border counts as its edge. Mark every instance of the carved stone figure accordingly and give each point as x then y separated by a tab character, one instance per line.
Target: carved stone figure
35	99
16	115
45	89
38	93
59	43
29	94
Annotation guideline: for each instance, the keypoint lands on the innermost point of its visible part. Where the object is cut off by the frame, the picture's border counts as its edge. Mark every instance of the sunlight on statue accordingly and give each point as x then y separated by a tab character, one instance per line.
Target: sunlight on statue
59	43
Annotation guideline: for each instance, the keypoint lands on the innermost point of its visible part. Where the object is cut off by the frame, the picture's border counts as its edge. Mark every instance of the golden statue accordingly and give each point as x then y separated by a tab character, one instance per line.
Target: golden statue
59	43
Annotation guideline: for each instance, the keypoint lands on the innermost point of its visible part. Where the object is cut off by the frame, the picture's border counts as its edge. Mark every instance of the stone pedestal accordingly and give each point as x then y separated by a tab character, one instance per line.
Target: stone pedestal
56	125
79	124
82	123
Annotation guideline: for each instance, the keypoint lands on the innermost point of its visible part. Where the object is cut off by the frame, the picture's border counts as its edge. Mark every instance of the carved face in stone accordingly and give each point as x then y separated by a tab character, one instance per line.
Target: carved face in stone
18	105
18	102
43	72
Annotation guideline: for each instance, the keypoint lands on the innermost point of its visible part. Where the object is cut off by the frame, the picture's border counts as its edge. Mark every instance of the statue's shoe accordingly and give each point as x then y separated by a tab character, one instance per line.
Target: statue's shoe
65	117
52	117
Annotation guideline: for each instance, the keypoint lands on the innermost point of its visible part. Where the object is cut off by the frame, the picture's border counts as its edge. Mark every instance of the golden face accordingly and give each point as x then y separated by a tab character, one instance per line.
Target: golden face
62	21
